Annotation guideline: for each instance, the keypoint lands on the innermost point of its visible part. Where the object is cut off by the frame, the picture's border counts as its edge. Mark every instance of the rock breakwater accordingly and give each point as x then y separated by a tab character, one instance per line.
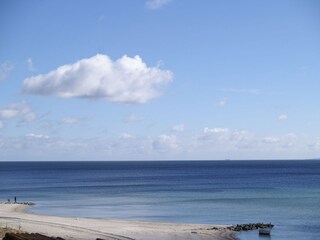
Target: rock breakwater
249	226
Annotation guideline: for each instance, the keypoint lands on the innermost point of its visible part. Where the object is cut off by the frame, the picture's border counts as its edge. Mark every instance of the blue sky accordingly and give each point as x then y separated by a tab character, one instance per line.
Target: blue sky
159	79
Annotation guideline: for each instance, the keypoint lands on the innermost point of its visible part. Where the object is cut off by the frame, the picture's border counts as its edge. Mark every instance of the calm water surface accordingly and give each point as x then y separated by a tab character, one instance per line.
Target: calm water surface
286	193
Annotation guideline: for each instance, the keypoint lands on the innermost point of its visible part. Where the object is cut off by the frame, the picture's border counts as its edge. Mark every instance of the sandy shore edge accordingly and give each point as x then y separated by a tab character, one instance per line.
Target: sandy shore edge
17	217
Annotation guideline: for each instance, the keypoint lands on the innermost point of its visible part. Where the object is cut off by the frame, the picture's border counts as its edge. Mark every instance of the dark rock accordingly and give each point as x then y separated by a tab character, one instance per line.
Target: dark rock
249	226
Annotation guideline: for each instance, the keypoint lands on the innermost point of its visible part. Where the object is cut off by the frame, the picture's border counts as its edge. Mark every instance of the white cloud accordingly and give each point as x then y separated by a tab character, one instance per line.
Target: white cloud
212	143
282	117
165	143
216	130
126	136
156	4
178	128
271	139
37	136
9	113
242	137
126	80
5	68
288	140
225	138
282	141
20	111
315	145
222	143
241	90
31	68
70	120
133	118
222	103
239	139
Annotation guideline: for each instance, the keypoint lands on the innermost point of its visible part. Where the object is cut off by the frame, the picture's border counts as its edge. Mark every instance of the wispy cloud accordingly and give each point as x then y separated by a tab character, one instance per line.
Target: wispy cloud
165	143
31	67
126	136
272	139
211	143
70	120
282	117
178	128
20	111
156	4
5	68
133	118
126	80
37	136
240	90
282	141
222	103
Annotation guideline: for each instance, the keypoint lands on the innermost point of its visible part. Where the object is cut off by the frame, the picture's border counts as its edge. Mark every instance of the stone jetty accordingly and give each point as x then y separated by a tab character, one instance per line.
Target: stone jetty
249	226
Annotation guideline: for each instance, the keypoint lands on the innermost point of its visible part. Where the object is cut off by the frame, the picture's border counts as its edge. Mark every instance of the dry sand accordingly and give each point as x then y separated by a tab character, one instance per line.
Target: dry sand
15	216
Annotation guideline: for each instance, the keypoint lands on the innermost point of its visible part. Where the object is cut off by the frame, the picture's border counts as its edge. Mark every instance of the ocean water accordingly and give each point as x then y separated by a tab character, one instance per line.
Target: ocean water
285	193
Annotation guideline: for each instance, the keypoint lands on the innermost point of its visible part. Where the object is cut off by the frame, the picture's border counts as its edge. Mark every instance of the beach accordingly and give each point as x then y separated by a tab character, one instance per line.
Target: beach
17	217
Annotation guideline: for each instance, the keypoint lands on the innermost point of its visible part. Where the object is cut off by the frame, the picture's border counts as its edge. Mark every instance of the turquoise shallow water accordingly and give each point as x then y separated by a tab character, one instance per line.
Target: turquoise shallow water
286	193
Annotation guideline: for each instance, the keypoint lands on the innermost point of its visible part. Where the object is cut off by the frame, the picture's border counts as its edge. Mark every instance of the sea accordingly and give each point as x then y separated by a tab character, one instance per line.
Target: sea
285	193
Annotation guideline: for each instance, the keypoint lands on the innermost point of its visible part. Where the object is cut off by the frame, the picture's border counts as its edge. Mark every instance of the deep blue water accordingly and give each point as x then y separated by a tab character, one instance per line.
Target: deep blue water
286	193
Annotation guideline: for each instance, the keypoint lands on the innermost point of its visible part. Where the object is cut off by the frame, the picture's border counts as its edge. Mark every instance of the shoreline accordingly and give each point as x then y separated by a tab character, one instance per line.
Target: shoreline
16	216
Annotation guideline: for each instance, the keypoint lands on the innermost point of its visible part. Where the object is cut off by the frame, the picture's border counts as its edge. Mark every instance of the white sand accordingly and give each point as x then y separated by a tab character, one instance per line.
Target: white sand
15	216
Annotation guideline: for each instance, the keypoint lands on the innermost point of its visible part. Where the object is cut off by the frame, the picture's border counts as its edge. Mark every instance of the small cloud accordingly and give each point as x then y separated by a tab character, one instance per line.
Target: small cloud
31	68
164	143
239	90
37	136
156	4
8	113
20	111
178	128
222	103
271	139
314	145
216	130
70	120
5	68
126	136
126	80
282	117
133	118
220	135
281	141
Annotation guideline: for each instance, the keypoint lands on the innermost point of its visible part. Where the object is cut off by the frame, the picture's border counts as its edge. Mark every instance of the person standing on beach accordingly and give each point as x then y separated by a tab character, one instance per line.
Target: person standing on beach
15	199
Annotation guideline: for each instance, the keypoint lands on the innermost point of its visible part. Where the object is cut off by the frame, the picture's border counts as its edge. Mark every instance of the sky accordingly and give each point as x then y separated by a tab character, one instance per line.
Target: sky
159	80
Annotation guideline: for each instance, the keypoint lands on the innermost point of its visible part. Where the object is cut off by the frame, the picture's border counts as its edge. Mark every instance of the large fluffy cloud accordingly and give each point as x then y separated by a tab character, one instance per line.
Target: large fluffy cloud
126	80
